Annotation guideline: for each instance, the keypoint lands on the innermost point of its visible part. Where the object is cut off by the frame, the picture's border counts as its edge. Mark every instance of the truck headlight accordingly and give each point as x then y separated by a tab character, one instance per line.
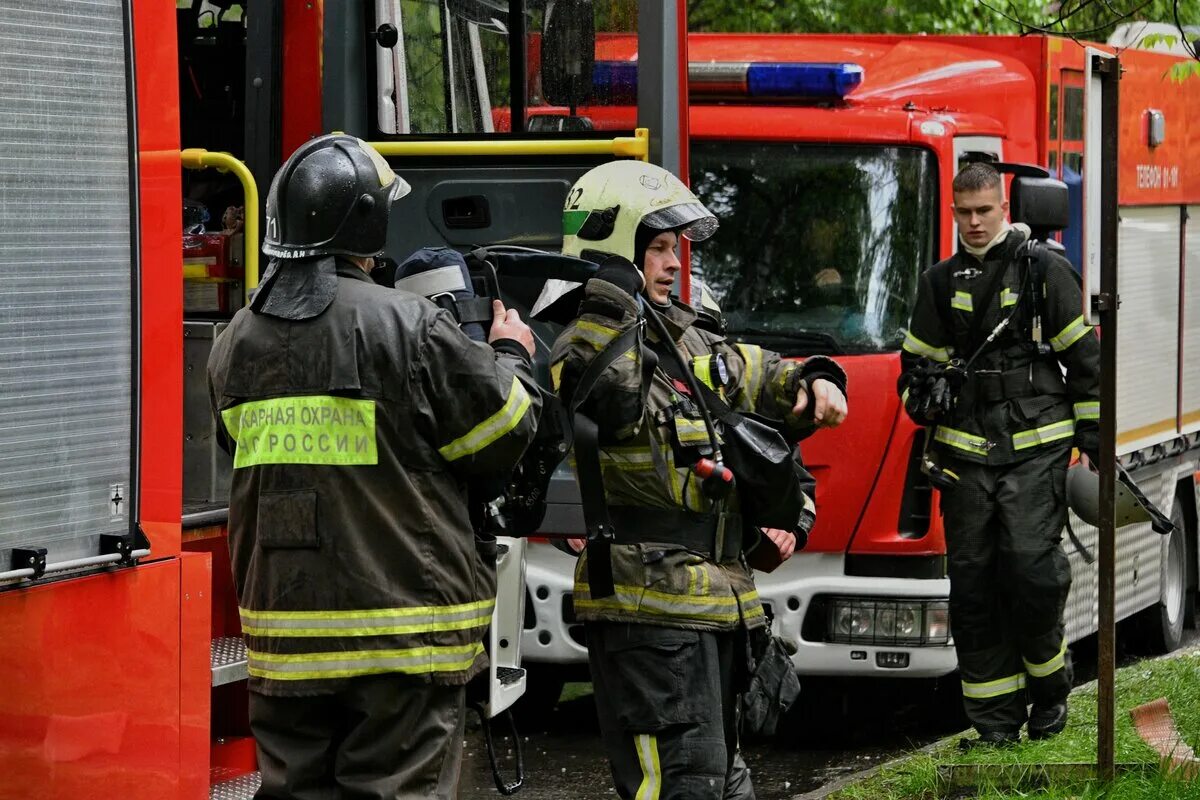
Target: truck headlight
869	620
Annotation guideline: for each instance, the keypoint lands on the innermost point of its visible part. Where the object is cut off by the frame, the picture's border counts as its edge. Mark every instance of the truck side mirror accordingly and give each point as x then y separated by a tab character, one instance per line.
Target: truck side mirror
1040	203
568	52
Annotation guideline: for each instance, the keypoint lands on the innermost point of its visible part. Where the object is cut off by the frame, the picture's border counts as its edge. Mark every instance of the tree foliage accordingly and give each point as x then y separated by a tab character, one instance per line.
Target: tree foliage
1091	19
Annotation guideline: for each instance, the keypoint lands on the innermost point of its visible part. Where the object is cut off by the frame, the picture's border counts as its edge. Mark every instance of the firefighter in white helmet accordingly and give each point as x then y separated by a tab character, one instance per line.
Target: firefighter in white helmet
668	635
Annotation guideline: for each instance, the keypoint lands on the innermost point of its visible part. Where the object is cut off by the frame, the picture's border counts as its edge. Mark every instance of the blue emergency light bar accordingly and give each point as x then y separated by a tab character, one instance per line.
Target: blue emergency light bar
818	81
615	82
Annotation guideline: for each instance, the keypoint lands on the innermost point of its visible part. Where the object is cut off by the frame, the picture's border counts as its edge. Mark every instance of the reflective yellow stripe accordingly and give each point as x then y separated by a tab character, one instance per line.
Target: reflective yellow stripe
1050	667
491	428
693	496
647	751
702	367
556	374
691	431
598	336
918	348
1074	331
704	600
1044	435
904	397
368	622
962	301
645	602
312	429
1008	298
982	691
752	356
693	576
315	666
1087	410
962	440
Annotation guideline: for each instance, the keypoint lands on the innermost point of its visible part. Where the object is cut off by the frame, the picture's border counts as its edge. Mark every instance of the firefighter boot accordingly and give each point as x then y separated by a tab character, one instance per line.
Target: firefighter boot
1047	721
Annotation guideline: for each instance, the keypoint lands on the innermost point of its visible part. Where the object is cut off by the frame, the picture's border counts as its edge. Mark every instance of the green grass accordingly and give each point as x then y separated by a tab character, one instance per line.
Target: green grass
1176	679
573	691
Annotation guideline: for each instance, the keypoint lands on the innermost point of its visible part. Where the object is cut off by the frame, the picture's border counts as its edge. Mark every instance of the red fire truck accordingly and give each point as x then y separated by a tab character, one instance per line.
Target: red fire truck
829	161
128	239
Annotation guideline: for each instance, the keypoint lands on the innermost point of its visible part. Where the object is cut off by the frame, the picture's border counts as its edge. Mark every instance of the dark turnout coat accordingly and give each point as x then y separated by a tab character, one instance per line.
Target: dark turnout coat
354	435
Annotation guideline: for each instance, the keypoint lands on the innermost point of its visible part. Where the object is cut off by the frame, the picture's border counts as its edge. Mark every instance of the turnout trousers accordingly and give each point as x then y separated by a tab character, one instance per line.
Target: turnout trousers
381	737
1009	579
667	704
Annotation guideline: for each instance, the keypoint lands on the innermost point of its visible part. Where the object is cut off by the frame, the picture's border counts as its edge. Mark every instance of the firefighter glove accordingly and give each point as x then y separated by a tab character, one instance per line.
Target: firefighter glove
621	272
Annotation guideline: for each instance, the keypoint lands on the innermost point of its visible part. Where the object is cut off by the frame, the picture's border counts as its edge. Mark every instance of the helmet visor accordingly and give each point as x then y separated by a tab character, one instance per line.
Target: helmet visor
696	221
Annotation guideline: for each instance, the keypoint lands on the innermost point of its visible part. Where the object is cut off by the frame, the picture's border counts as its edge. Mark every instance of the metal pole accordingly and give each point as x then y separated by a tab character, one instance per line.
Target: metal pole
1108	303
658	86
517	65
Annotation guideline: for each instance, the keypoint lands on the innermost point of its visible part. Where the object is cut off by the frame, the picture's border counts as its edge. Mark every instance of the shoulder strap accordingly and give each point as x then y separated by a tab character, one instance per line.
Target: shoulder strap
939	280
588	473
975	333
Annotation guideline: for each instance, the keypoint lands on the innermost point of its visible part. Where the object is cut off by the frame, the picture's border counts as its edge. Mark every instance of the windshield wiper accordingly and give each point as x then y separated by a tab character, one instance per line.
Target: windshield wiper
801	339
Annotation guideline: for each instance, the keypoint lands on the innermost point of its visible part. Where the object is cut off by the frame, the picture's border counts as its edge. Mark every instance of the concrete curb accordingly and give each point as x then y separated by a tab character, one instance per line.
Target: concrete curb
857	777
838	784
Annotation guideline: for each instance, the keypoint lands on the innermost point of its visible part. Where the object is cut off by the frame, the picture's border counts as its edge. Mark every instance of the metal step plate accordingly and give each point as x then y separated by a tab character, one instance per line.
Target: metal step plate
228	658
242	787
507	675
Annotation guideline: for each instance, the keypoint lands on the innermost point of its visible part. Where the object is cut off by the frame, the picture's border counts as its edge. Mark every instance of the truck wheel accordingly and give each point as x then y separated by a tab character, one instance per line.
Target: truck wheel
1162	623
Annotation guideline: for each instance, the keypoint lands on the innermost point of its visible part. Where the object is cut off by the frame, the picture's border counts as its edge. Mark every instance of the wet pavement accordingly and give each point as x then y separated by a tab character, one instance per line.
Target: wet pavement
838	728
835	733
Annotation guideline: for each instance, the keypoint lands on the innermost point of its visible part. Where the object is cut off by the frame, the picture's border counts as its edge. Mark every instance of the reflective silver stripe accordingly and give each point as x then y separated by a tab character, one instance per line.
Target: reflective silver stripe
962	301
316	666
1008	298
962	440
647	751
1049	667
1087	410
434	282
627	458
918	348
491	428
369	622
1043	435
982	691
1074	331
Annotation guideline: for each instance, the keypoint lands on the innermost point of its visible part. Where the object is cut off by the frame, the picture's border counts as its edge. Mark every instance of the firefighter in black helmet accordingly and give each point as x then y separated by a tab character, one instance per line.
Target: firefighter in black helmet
1005	402
356	415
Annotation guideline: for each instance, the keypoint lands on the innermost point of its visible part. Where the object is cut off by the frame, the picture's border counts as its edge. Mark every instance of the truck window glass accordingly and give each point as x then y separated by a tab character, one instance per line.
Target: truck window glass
820	246
1053	112
450	71
1072	123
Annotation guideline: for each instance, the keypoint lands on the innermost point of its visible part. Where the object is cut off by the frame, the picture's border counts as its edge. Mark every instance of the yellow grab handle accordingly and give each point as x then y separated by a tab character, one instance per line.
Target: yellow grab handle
636	146
196	158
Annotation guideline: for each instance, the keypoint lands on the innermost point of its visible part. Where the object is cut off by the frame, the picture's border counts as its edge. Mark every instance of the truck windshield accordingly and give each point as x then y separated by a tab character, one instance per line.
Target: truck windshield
820	246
